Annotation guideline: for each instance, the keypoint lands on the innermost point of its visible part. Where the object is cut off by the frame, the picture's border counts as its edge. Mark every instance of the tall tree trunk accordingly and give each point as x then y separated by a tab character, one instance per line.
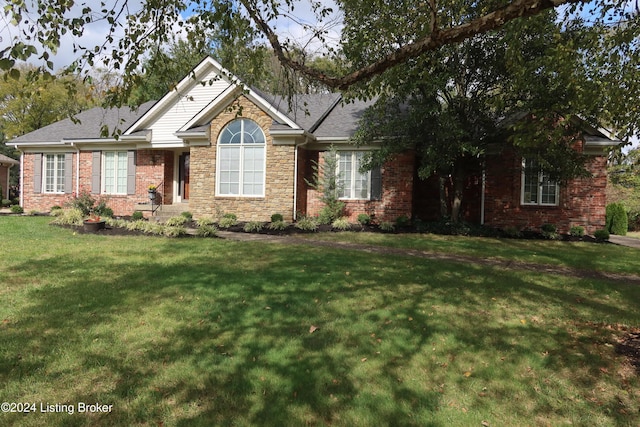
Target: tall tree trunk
444	205
458	191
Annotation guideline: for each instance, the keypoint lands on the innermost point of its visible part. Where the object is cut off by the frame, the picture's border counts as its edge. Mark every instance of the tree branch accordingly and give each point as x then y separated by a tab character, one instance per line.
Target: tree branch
491	21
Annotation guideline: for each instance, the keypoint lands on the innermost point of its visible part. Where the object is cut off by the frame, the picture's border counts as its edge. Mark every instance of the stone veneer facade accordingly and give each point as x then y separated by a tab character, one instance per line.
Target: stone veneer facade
279	181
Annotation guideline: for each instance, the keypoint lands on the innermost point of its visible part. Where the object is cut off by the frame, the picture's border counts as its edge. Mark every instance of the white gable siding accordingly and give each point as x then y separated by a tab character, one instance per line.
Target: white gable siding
180	111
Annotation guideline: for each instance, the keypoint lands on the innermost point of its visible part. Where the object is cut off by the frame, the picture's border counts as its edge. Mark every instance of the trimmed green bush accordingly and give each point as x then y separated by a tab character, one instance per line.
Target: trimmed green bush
187	215
617	221
549	231
227	221
276	217
137	216
6	203
17	209
601	235
364	219
402	221
512	232
576	231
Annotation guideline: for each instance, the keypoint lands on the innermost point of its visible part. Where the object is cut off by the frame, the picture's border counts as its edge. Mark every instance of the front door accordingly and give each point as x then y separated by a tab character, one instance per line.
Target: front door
183	188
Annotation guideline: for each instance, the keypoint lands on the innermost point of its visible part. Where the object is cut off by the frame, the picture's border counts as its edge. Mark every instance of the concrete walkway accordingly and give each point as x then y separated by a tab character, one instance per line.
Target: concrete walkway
630	242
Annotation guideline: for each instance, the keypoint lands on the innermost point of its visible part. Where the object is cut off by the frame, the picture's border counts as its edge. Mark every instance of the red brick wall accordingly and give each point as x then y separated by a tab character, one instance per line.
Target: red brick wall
150	169
397	190
582	201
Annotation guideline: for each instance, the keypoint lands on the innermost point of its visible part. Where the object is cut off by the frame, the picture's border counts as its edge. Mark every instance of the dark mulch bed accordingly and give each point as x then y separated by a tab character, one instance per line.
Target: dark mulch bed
629	346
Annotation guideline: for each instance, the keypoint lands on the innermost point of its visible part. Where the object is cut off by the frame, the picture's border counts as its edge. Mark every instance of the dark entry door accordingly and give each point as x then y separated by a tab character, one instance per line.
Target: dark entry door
184	176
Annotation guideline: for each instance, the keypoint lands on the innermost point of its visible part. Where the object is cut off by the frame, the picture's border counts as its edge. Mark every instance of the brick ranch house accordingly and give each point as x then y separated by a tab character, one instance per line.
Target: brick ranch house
213	146
6	163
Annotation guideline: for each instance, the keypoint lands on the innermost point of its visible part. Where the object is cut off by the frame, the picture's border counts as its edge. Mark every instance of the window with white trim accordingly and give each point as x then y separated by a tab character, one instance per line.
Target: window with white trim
241	160
537	187
54	173
114	172
353	184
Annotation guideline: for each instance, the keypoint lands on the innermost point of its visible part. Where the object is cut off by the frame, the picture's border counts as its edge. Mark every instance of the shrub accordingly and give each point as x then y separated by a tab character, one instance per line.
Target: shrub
278	225
617	221
549	231
107	213
576	231
84	201
69	217
276	217
137	216
227	221
634	220
402	221
332	210
230	216
6	203
187	215
253	227
364	219
174	231
387	226
207	231
341	224
307	223
601	235
176	221
17	209
512	232
56	211
205	221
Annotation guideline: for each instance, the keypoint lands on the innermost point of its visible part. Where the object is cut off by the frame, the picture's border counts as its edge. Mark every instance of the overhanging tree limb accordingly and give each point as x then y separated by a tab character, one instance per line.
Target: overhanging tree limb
437	38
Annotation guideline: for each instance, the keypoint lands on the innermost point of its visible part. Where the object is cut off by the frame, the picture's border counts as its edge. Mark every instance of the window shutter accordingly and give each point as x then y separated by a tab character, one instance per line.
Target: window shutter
68	173
95	172
37	173
131	172
376	183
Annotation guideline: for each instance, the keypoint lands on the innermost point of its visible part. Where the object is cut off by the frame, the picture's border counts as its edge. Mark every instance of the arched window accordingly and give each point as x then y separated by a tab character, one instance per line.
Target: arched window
241	159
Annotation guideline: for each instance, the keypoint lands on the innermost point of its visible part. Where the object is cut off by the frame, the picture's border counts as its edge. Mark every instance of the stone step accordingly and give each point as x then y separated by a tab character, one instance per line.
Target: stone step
164	212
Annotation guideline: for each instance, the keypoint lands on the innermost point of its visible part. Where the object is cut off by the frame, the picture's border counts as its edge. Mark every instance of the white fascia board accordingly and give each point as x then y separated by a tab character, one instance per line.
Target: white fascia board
275	114
186	83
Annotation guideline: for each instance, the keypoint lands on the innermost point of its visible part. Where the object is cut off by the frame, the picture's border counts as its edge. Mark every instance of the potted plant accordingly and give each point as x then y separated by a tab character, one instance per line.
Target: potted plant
152	192
93	223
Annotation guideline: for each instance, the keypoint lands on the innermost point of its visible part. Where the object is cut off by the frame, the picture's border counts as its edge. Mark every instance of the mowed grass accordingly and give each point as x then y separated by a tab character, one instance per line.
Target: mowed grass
583	255
183	332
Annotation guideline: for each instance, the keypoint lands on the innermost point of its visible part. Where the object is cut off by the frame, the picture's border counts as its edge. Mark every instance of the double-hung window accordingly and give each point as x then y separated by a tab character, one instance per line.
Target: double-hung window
352	183
241	160
537	187
54	173
114	172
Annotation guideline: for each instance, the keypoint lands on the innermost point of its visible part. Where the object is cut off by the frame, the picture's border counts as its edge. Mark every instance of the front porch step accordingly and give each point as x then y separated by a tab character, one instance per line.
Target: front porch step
164	212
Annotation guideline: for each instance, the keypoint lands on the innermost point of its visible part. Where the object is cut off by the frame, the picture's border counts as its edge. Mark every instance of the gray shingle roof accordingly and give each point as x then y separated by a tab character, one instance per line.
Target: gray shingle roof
5	160
91	122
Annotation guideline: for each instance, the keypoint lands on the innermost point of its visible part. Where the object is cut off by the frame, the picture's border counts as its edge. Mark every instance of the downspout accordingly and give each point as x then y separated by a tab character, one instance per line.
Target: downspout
77	168
21	175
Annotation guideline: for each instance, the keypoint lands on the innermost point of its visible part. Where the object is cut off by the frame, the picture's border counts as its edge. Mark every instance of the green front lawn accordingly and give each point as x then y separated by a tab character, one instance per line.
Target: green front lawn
182	332
581	255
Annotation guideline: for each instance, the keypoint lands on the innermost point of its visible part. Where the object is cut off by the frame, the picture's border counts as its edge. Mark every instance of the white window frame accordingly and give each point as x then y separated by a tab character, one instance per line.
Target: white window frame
58	186
116	173
542	181
243	148
354	175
